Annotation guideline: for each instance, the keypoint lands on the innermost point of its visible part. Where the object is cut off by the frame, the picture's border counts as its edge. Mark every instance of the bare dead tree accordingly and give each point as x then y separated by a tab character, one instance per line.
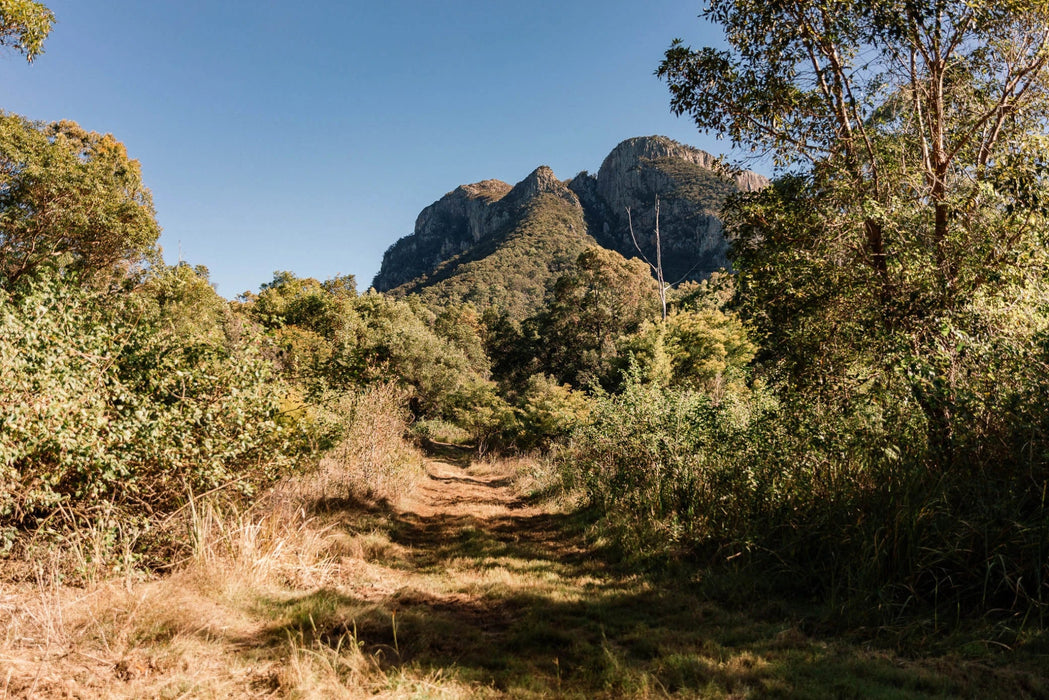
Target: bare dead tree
657	268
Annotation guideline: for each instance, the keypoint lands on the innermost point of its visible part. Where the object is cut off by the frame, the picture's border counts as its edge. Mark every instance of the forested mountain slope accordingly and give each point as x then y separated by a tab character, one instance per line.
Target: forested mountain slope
501	253
502	247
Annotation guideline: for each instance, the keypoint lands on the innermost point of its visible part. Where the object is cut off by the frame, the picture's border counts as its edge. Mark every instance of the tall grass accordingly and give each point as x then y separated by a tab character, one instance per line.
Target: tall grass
373	459
806	501
137	635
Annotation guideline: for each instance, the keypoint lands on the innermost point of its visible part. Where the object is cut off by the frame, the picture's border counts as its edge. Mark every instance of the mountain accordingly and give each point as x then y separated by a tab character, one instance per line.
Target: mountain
691	191
503	247
490	244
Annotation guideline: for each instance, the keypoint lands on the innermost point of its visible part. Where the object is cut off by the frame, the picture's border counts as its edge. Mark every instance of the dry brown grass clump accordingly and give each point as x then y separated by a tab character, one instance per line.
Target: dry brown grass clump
373	461
211	627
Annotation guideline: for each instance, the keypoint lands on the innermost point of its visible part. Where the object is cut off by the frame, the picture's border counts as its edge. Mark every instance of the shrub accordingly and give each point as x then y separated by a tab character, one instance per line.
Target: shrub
549	412
373	459
823	498
100	400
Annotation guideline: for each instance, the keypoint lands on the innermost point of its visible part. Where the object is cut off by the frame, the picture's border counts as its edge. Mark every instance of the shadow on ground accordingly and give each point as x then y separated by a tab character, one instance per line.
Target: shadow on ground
518	604
459	455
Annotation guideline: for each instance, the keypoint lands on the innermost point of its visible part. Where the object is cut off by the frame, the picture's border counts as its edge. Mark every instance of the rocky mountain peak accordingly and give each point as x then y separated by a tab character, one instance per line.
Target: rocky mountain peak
628	157
488	190
652	147
541	181
475	220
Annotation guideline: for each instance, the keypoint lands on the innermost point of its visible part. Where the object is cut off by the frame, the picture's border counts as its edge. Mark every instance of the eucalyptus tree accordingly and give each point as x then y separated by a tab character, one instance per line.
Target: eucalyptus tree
70	198
24	25
909	239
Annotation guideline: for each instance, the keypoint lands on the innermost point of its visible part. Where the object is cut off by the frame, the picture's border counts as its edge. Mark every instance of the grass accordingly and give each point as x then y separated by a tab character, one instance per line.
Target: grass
466	586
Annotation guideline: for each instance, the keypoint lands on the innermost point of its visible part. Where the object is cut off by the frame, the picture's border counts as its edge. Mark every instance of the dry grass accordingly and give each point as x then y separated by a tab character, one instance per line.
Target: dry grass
200	630
462	588
373	461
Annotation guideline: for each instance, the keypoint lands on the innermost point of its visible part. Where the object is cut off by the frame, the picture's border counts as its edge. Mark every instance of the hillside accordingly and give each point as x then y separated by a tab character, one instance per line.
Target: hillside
492	245
501	247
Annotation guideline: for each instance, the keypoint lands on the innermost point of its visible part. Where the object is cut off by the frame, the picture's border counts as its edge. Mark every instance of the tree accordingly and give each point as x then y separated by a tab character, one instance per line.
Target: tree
657	268
387	339
24	25
919	205
186	303
599	302
71	198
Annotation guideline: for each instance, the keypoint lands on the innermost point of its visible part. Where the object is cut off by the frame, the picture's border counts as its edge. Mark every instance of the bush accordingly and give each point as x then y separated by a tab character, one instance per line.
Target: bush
652	459
549	412
821	498
101	400
373	459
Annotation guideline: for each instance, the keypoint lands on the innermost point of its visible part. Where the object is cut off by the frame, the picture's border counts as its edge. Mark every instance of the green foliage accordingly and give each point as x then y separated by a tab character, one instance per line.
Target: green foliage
706	350
187	305
714	292
813	500
600	301
303	302
463	327
921	208
303	317
330	340
389	339
69	197
487	417
512	272
24	25
899	458
105	399
653	459
549	412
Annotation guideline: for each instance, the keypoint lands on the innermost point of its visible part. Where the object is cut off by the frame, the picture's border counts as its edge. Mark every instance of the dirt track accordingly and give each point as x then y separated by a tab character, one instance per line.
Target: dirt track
464	588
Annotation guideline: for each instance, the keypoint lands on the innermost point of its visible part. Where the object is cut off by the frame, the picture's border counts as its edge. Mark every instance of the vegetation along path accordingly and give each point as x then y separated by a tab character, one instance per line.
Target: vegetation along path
464	587
483	591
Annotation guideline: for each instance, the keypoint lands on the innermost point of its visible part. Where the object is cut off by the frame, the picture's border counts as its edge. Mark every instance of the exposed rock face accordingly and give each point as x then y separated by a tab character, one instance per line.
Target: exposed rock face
461	219
541	180
690	190
473	221
446	228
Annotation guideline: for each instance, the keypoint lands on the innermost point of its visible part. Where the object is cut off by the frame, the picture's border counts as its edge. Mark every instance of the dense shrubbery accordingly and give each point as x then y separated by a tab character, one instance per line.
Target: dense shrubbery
105	397
330	340
815	500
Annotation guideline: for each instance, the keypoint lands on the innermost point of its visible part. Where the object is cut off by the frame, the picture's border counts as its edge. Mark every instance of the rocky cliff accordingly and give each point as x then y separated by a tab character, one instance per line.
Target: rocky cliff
501	246
691	190
450	226
490	244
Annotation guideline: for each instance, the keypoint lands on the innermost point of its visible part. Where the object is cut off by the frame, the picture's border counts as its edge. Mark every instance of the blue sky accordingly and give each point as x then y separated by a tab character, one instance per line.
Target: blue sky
308	136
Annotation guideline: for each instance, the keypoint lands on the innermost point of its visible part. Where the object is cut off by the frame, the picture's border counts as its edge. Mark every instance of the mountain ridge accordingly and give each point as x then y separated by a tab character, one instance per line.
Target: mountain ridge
457	234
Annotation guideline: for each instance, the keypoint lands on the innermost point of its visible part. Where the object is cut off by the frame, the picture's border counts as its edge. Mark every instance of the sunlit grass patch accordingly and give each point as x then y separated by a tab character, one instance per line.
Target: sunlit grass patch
366	599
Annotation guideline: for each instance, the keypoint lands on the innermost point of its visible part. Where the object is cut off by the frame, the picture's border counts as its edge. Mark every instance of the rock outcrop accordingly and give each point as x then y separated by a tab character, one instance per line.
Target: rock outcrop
448	227
691	186
551	220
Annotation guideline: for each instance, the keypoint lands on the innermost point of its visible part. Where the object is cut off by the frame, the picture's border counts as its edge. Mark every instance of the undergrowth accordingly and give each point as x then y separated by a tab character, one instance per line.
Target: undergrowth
164	636
814	506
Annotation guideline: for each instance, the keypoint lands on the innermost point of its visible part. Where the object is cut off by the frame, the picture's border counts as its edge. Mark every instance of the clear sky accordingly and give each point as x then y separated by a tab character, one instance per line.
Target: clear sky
307	136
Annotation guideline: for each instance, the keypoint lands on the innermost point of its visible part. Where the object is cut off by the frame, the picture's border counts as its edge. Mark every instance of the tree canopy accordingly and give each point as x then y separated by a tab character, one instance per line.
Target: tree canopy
70	197
916	211
24	25
935	108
